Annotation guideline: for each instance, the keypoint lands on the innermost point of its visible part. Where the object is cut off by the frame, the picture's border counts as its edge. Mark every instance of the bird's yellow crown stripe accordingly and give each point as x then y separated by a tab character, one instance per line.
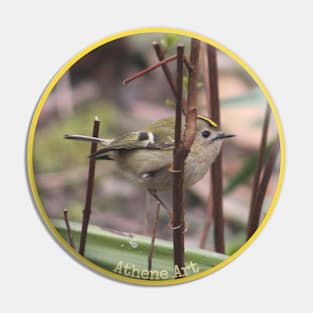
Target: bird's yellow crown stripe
206	119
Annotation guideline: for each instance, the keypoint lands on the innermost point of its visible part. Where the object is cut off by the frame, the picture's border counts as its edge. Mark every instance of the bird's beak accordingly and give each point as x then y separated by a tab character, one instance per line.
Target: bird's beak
223	136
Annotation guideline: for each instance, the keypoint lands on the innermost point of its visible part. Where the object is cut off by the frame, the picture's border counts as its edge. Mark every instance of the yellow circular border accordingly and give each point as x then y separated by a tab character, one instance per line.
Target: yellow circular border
30	141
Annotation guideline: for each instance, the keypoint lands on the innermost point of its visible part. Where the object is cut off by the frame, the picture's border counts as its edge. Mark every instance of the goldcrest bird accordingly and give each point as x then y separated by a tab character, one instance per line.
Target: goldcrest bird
146	155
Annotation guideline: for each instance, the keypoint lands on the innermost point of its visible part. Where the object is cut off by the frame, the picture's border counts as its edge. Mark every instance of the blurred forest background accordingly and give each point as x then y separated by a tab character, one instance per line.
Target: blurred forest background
93	87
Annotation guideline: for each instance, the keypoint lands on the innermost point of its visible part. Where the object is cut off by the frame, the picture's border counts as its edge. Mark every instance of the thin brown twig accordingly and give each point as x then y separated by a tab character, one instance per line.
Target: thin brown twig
68	228
206	78
89	191
149	69
188	65
167	72
165	67
205	70
182	148
259	165
192	96
217	210
153	235
260	195
216	176
178	173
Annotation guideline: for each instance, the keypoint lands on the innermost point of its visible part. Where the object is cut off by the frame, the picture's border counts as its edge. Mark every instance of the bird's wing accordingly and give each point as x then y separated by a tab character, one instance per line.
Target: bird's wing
138	140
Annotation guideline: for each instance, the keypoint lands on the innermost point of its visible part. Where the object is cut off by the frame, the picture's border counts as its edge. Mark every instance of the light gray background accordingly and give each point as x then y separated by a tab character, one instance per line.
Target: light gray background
38	37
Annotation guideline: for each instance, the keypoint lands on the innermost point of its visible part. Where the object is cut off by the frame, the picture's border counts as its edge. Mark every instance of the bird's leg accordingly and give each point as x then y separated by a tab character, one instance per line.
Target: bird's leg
154	194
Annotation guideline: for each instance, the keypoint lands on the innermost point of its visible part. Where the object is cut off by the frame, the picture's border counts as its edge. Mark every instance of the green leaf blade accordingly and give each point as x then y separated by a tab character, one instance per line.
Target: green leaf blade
107	250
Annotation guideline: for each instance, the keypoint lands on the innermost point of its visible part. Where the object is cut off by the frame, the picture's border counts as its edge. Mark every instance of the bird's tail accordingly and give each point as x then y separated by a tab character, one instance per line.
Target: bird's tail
101	141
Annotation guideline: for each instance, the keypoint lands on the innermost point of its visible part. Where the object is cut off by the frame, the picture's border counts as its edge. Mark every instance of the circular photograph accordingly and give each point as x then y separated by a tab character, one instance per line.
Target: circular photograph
155	156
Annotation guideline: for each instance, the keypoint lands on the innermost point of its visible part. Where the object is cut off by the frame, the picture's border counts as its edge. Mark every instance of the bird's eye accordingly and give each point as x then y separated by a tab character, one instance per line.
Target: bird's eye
206	134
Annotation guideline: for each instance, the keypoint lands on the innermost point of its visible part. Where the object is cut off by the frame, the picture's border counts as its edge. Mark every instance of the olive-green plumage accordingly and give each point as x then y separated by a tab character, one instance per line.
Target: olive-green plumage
146	155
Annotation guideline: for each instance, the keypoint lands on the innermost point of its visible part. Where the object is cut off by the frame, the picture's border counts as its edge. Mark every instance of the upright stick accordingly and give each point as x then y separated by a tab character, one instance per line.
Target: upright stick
178	172
206	80
262	187
89	191
216	176
253	215
68	228
183	146
192	96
